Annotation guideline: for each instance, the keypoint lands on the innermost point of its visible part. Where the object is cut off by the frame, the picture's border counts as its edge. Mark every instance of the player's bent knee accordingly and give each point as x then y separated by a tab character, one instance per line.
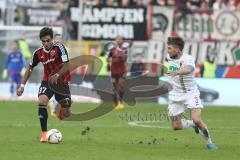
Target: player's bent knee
42	103
176	125
43	100
197	121
65	103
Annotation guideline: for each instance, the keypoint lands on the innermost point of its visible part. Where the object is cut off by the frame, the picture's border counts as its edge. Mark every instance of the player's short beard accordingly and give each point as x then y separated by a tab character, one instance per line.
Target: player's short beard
174	57
48	49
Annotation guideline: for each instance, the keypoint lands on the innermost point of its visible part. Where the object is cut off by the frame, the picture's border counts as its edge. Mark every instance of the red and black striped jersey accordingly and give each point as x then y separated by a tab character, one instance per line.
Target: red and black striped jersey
52	60
118	65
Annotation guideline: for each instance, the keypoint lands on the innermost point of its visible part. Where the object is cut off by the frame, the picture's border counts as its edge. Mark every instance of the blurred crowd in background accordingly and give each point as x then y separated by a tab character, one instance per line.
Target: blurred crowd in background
188	4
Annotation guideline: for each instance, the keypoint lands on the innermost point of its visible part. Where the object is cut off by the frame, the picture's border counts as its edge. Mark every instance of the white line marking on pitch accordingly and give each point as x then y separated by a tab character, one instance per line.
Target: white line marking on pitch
144	124
147	125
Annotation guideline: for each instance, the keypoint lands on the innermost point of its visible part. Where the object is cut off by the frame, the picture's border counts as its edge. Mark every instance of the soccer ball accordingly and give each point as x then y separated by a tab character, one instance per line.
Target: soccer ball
54	136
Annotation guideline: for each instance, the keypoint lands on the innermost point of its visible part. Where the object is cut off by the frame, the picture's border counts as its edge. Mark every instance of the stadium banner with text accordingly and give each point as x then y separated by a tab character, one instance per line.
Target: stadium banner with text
43	16
105	23
212	33
162	22
208	25
227	54
226	25
198	25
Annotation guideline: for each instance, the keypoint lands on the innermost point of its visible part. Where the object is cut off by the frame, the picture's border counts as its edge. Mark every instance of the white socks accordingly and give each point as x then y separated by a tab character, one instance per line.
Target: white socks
187	123
204	132
54	105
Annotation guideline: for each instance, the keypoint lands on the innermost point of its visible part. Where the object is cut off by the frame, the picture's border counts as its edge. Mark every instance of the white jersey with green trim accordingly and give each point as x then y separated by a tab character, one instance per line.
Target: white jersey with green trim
182	84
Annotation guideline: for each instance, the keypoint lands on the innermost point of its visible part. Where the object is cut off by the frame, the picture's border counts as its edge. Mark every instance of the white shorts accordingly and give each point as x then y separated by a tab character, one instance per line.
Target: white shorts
184	102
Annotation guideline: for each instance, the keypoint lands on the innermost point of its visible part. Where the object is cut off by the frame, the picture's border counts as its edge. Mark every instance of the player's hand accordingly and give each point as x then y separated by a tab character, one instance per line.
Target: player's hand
171	73
54	78
4	74
20	91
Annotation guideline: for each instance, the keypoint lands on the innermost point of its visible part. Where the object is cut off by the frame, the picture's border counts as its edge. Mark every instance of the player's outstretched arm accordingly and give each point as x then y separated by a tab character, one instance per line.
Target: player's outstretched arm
26	76
66	67
185	70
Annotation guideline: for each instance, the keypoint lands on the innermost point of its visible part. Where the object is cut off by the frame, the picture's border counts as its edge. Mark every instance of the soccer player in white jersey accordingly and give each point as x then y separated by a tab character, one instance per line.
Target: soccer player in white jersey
184	93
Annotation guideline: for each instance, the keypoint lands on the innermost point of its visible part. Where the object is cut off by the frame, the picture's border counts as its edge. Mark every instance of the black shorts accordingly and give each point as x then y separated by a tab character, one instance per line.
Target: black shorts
61	91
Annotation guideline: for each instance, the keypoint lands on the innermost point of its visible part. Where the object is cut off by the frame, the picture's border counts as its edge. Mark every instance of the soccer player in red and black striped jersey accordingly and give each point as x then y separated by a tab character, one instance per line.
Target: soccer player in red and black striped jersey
53	57
117	62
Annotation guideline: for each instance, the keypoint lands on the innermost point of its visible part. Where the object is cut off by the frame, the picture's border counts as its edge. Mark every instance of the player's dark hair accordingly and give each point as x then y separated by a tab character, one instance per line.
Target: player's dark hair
45	32
176	41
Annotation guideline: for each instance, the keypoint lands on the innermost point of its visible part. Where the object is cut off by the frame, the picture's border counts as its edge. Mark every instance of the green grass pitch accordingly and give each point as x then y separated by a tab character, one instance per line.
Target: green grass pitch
116	135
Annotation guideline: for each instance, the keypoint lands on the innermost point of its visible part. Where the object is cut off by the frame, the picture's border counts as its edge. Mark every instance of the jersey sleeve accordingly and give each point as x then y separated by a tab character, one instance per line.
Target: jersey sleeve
63	53
35	60
189	61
